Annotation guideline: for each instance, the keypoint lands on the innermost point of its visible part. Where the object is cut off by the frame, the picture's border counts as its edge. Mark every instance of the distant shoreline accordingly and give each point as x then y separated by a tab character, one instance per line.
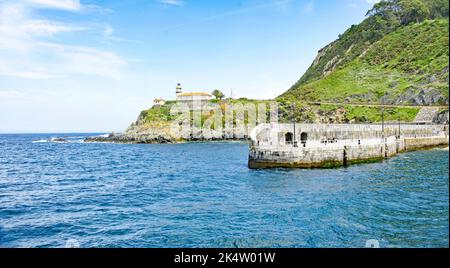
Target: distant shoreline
144	139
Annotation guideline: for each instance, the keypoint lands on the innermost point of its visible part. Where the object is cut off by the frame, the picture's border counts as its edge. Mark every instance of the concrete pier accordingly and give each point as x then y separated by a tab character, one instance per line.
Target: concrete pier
327	146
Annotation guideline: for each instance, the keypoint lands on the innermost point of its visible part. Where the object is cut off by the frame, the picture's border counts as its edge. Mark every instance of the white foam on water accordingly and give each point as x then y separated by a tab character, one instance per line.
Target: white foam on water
76	141
40	141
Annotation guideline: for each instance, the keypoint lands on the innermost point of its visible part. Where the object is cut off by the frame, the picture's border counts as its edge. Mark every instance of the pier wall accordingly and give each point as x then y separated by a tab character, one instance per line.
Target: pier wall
420	143
348	149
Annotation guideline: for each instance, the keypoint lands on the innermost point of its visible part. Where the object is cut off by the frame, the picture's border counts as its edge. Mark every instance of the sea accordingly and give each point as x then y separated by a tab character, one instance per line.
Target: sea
75	194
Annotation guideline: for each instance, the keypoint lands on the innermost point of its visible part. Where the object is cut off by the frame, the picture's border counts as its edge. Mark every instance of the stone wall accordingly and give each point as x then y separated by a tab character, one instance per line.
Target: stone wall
274	134
356	144
357	153
335	156
419	143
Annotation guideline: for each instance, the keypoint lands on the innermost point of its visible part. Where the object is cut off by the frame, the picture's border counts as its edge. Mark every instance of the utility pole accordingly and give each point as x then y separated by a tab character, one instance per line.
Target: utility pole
382	119
382	129
382	122
293	121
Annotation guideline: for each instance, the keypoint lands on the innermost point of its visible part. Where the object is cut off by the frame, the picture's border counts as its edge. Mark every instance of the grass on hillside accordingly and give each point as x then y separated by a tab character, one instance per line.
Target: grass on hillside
413	57
160	115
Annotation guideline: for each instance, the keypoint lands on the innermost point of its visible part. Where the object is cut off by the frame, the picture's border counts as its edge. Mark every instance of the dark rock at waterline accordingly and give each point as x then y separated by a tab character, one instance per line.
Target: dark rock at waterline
127	138
155	139
58	140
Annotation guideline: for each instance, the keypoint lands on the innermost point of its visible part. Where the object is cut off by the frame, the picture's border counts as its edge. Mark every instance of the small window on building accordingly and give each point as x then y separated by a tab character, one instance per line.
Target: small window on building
289	138
303	137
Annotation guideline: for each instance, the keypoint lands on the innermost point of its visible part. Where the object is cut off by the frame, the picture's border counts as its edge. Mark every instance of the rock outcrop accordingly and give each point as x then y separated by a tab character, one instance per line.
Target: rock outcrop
426	115
441	118
130	138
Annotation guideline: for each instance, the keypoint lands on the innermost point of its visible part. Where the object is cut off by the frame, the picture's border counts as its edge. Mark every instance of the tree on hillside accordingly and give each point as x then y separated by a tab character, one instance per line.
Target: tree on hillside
218	94
385	9
407	11
413	11
438	8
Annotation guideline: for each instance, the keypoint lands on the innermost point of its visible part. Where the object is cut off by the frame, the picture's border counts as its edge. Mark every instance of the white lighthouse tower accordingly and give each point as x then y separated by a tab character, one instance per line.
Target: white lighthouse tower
179	89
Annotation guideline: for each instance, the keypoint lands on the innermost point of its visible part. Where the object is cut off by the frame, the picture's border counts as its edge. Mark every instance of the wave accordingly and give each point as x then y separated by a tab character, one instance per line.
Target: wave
40	141
61	140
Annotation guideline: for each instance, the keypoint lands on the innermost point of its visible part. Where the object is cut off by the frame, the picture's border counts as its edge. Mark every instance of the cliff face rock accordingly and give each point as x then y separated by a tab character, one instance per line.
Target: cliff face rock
331	117
429	96
331	65
427	114
441	118
150	127
322	53
417	96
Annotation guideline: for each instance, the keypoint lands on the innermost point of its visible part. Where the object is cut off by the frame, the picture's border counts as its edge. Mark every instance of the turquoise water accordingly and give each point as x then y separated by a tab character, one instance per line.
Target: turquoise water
203	195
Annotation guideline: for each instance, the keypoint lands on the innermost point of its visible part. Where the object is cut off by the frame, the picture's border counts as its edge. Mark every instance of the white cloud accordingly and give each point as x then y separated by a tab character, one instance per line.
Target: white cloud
108	31
172	2
108	34
25	51
372	1
71	5
44	27
26	74
90	61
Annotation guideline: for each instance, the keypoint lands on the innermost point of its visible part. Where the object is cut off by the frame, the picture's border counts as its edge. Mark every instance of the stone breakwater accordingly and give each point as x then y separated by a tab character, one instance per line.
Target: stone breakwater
337	145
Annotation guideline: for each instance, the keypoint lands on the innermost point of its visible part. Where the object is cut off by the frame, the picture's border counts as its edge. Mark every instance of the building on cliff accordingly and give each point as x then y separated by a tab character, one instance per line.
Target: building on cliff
191	96
158	102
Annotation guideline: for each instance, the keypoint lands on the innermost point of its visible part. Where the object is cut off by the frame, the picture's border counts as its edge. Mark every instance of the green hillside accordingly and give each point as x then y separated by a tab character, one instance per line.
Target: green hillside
398	55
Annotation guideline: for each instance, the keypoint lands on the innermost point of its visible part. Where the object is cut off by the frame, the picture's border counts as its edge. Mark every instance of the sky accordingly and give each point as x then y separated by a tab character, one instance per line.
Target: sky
93	65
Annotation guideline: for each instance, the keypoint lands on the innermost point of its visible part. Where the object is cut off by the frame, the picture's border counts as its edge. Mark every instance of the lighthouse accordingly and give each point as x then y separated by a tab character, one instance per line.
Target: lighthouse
191	97
179	89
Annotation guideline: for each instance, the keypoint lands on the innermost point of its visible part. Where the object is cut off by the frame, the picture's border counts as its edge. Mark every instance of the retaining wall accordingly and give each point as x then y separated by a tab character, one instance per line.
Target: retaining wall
335	156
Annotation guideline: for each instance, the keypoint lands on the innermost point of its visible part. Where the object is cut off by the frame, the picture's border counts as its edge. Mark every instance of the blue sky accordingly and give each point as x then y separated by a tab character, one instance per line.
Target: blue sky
92	66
